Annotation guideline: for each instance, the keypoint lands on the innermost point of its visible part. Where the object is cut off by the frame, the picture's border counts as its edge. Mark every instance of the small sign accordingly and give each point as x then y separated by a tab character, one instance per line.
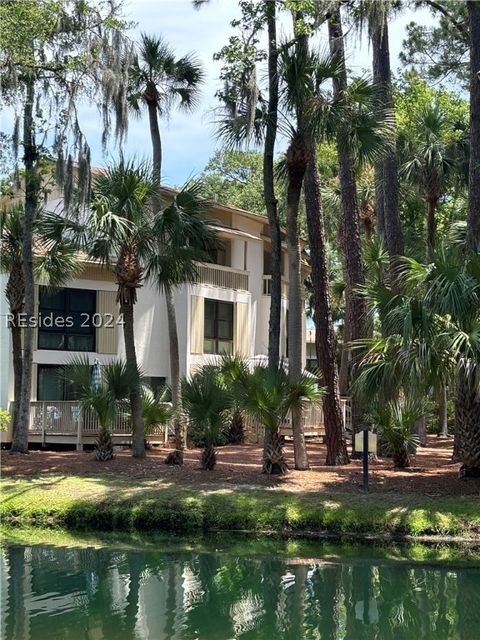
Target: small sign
372	442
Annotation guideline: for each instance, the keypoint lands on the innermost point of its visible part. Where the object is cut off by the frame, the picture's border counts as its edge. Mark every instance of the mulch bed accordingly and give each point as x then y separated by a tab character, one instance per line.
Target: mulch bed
432	472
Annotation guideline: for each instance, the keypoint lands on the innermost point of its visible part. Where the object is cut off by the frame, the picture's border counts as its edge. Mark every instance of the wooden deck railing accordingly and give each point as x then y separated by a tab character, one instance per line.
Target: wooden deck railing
313	423
223	277
69	418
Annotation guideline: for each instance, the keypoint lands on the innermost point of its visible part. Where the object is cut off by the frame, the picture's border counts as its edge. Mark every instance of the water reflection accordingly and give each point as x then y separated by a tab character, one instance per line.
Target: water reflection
62	593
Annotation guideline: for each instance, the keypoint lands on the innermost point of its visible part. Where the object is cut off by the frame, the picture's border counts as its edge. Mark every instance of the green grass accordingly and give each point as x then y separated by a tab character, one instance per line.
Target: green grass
115	504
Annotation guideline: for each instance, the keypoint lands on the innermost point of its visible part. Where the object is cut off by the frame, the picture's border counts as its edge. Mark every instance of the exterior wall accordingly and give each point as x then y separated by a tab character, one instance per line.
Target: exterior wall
245	233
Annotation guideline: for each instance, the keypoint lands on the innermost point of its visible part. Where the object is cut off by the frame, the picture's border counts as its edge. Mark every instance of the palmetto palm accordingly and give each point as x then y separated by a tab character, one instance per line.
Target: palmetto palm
267	395
432	162
433	338
159	81
106	400
207	402
55	261
395	420
121	236
183	237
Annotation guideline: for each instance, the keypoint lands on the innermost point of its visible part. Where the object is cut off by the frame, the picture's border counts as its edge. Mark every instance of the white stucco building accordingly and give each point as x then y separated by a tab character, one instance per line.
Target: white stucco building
226	310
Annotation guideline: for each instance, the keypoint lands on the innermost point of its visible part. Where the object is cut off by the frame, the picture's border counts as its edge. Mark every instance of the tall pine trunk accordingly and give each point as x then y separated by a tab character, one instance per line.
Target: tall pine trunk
296	159
138	438
322	317
387	171
20	437
269	190
473	222
442	412
357	319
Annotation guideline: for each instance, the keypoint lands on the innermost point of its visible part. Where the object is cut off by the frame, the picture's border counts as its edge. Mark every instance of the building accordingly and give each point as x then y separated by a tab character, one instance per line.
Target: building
227	310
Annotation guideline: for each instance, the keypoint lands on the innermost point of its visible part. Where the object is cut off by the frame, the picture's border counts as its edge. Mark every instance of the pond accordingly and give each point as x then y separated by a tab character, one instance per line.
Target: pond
168	588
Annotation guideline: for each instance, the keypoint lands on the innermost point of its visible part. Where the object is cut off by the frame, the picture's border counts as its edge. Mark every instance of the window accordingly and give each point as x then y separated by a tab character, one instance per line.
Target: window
221	255
156	383
218	327
51	387
66	320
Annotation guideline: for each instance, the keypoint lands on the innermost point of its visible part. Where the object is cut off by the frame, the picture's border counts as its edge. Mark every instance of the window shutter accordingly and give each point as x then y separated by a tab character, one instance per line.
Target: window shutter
241	343
107	332
33	391
197	321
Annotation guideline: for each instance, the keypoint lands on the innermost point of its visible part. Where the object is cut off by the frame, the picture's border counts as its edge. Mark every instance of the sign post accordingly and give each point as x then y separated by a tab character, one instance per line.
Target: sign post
365	442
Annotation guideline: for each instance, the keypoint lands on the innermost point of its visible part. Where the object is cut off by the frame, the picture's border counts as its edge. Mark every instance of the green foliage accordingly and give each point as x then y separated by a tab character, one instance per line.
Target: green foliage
155	409
395	420
5	419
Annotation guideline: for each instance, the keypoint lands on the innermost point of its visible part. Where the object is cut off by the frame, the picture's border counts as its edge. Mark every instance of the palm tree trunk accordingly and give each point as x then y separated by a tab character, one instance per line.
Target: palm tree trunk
17	372
297	157
467	425
388	173
442	412
345	356
431	227
138	439
269	190
473	221
353	251
156	142
324	335
20	437
175	375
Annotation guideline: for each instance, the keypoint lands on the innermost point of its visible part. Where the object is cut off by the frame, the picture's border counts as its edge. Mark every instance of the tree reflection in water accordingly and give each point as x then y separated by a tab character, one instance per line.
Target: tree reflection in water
65	593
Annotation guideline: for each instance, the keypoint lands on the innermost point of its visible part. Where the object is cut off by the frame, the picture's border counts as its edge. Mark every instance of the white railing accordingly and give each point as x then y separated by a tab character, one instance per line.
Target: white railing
69	418
313	422
224	277
267	286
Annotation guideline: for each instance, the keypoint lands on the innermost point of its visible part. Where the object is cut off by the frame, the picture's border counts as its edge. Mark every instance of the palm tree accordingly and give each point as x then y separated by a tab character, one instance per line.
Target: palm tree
159	81
183	237
156	410
234	370
121	236
268	395
395	421
432	331
106	399
207	402
54	261
431	162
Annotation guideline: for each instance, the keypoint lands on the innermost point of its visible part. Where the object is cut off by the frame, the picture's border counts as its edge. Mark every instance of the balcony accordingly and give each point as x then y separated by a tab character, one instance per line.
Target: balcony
215	275
267	286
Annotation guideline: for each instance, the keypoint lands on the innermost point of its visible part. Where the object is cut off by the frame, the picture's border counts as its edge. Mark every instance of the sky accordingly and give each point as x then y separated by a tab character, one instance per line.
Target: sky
189	139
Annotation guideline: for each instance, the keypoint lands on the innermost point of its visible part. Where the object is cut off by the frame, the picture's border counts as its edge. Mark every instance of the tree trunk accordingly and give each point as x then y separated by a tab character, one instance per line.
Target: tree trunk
442	412
345	357
420	429
296	157
20	438
467	425
273	458
353	251
156	142
388	171
17	373
138	437
15	294
379	201
473	221
431	227
322	317
271	201
177	457
269	190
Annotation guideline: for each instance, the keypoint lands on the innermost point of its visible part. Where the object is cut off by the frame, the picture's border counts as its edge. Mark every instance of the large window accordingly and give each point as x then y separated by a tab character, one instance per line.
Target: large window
51	386
67	320
218	332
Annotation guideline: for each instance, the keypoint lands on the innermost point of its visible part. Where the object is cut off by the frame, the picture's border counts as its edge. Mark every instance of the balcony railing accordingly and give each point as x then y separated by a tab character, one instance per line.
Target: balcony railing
215	275
69	418
267	286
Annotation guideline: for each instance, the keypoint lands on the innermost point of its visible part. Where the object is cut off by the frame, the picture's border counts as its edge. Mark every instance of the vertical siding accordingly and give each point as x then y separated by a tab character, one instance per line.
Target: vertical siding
241	342
107	333
197	320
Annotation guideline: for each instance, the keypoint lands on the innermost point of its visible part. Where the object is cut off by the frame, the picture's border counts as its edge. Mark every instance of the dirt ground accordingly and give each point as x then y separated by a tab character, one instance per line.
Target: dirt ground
432	473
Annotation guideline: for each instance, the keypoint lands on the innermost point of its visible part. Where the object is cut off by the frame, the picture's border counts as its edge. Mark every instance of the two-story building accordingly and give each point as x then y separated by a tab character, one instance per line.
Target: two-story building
226	310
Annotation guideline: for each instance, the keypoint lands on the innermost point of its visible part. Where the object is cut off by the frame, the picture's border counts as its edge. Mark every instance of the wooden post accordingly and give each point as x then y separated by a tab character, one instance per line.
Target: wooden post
44	423
79	430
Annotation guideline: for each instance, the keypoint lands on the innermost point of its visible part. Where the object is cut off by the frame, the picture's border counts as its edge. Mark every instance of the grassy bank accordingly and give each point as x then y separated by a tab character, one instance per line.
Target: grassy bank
112	503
